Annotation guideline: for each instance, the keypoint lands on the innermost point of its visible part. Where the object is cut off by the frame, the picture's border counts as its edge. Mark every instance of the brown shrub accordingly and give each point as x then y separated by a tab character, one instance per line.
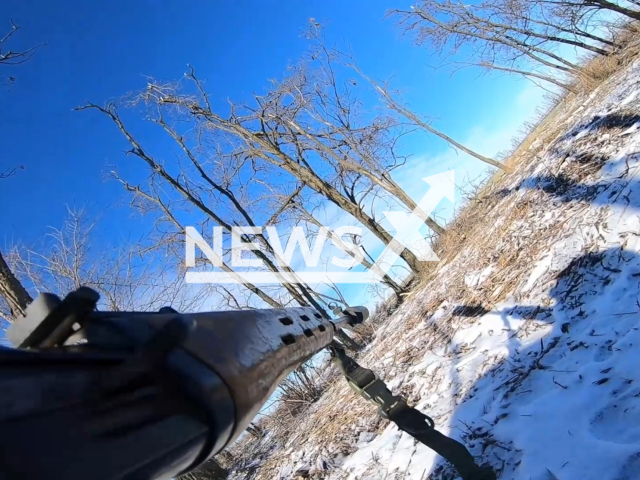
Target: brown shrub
301	387
600	68
596	71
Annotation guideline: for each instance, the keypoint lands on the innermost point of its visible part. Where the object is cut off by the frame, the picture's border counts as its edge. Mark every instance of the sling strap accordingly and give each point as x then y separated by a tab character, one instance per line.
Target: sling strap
395	408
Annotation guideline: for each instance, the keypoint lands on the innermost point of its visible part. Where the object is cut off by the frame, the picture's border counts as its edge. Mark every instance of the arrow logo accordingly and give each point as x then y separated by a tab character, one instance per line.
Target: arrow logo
407	226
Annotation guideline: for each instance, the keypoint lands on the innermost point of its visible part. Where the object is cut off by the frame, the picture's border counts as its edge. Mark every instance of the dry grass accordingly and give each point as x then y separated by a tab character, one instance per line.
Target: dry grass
301	388
598	69
491	207
470	224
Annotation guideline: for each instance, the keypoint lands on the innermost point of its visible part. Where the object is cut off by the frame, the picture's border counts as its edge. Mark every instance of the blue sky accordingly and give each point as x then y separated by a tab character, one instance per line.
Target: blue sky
100	51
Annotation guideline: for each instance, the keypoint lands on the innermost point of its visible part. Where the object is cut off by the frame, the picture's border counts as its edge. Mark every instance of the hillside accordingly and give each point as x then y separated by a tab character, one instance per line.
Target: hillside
523	343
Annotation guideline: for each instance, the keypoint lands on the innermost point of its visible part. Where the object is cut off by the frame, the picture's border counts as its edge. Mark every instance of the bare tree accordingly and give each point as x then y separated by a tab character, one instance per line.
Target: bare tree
261	138
299	210
549	24
514	36
372	144
143	199
525	24
68	259
324	115
190	192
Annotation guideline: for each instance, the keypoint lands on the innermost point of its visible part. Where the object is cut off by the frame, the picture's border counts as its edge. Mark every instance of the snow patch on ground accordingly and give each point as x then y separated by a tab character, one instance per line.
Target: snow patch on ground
475	279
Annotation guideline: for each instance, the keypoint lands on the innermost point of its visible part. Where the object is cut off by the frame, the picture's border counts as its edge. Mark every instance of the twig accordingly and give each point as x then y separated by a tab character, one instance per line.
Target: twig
559	384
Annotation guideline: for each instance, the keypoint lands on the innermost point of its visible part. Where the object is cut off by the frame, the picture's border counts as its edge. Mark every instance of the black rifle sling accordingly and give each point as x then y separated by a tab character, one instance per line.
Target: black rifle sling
408	419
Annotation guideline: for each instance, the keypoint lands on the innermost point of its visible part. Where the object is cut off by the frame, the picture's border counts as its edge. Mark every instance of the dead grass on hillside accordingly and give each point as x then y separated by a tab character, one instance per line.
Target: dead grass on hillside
470	224
510	256
598	69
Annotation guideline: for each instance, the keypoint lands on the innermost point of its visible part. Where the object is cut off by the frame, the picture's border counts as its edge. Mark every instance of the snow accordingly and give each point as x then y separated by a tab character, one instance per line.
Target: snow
475	279
544	383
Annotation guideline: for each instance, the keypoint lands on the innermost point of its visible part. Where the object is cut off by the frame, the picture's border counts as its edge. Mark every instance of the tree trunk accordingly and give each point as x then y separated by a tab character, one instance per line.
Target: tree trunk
532	33
606	5
418	121
13	291
414	208
250	286
546	78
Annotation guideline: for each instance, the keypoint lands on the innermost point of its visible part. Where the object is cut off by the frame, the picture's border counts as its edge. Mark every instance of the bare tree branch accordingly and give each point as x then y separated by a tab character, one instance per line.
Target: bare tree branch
9	57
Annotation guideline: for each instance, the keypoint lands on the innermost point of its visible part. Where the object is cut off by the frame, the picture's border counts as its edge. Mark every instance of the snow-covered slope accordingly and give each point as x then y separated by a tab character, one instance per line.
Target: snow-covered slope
525	345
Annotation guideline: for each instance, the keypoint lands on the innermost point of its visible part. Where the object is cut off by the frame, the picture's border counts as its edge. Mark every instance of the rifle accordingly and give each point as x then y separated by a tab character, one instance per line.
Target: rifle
140	396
